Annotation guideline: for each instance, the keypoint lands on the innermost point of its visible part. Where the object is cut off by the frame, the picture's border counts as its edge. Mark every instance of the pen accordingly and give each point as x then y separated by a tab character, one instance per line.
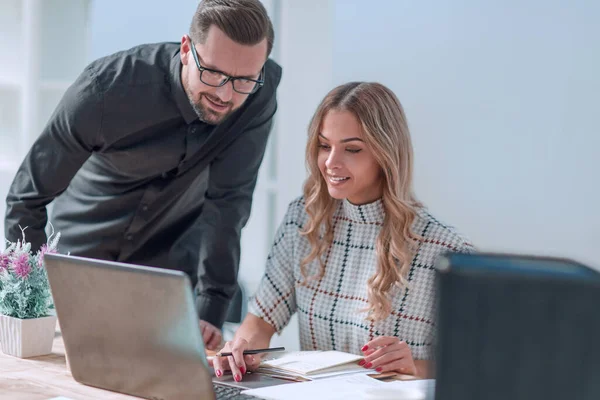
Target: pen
255	351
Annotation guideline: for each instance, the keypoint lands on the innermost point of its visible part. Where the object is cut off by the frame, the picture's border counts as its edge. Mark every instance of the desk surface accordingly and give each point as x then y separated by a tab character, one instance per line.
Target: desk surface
46	377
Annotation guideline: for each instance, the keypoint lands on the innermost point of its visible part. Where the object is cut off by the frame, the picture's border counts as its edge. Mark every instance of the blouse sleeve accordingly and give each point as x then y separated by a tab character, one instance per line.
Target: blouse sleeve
275	299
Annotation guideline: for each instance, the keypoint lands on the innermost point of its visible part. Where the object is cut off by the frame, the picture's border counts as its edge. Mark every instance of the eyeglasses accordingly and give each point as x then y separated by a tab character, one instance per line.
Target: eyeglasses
216	78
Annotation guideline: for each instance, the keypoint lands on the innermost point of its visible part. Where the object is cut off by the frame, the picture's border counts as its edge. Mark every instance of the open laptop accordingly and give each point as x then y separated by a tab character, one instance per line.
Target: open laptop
134	330
517	327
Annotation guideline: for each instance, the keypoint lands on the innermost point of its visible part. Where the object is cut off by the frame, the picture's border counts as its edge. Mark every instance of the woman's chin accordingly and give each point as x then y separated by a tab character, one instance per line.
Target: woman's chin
337	194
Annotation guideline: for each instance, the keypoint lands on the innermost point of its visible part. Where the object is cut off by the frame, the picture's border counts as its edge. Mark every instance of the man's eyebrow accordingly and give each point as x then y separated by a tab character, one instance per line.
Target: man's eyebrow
352	139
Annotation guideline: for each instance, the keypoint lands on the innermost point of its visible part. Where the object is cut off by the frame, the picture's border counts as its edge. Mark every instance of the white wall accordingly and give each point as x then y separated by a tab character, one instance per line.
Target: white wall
501	98
117	25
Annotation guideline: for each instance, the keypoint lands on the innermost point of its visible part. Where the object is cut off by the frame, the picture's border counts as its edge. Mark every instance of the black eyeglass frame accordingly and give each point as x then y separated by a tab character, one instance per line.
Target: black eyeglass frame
259	82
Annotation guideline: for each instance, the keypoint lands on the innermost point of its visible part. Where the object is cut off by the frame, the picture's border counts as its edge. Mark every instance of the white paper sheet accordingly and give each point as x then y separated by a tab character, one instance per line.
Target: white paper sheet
357	386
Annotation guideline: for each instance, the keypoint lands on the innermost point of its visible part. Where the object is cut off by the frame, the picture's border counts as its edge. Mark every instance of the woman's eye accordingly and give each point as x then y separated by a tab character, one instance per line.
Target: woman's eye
353	150
323	146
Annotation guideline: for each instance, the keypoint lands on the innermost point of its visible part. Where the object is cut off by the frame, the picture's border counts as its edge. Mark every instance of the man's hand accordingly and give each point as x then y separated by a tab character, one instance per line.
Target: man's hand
211	335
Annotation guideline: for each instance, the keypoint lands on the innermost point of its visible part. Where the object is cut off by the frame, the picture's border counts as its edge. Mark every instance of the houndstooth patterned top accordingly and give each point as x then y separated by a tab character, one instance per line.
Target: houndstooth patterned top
331	310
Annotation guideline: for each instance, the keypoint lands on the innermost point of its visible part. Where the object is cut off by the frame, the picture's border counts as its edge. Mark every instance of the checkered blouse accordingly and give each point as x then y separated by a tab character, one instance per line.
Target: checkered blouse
330	310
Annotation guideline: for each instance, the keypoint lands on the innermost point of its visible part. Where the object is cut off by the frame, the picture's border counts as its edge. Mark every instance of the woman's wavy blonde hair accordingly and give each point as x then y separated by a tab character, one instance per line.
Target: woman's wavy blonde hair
386	135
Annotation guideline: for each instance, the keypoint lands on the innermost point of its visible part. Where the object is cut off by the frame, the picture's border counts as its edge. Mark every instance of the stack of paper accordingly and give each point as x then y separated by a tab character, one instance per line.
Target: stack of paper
310	365
355	387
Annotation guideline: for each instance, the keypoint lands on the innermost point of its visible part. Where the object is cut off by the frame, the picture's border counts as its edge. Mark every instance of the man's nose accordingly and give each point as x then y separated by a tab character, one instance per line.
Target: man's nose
225	92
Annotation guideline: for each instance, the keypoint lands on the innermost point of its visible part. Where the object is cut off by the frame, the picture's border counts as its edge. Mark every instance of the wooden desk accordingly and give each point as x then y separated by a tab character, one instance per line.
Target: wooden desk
46	377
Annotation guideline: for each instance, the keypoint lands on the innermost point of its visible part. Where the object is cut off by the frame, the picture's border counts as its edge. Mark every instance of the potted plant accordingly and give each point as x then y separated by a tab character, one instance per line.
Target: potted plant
27	323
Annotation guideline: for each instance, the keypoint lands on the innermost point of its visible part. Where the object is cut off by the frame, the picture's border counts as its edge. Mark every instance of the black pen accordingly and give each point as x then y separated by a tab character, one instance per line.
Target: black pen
255	351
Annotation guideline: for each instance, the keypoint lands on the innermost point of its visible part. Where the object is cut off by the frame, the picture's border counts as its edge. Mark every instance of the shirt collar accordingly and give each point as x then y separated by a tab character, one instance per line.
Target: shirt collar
371	213
181	99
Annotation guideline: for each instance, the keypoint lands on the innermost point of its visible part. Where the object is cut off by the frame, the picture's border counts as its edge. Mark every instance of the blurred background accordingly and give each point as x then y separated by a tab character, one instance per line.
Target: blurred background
501	98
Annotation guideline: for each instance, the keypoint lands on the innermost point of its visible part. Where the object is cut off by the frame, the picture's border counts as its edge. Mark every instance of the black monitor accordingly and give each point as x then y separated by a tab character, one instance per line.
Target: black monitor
517	328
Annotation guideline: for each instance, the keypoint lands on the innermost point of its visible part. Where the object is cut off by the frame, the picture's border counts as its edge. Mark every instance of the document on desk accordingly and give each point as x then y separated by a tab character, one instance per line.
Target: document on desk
357	386
315	364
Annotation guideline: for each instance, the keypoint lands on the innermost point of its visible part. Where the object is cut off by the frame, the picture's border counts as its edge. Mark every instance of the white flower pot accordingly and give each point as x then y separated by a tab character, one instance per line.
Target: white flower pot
26	338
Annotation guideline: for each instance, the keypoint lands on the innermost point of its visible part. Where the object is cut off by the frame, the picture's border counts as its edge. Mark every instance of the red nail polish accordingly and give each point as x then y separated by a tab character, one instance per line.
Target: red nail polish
362	362
218	373
364	348
369	365
243	370
378	369
237	378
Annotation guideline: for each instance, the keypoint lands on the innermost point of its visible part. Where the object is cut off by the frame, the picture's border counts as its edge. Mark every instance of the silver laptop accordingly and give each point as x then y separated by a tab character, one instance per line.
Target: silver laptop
134	330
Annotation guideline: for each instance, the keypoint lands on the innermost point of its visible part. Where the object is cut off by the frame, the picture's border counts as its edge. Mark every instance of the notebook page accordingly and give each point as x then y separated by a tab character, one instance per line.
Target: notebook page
306	363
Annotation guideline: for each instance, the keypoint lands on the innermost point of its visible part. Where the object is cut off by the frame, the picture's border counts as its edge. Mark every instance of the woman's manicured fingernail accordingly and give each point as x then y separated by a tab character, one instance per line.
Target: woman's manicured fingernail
364	348
218	373
237	378
378	369
242	370
369	365
362	362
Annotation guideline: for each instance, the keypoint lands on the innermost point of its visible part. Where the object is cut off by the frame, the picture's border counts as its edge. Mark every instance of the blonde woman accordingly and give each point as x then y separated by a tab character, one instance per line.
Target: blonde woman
354	256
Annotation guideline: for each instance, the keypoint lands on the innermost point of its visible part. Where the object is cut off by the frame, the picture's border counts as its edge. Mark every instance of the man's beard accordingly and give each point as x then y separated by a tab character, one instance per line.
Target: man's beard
205	114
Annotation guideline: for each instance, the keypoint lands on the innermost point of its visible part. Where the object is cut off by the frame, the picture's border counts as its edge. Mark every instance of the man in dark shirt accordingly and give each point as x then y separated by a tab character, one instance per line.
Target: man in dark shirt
152	155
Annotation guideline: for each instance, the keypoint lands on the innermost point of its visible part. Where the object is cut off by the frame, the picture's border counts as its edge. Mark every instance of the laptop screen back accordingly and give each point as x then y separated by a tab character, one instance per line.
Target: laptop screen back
129	329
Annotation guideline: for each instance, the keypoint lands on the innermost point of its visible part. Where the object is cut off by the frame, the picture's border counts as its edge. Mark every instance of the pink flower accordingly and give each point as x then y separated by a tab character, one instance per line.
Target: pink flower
4	261
44	250
21	265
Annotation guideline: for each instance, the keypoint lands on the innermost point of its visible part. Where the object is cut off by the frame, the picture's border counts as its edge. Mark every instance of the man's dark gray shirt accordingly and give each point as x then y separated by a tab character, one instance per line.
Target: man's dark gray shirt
136	177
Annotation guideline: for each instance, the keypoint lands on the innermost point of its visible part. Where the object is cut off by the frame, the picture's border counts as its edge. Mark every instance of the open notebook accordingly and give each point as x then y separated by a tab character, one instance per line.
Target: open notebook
309	365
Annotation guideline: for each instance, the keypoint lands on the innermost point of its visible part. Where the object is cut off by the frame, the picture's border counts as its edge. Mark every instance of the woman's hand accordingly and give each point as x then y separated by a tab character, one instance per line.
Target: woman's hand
237	363
388	353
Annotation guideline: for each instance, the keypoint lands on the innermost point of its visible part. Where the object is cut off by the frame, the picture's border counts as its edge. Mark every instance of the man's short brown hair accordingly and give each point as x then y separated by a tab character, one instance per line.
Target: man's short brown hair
243	21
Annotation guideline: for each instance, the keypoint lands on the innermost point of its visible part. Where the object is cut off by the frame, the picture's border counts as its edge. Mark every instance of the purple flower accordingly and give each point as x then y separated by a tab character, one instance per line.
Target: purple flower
21	265
4	261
